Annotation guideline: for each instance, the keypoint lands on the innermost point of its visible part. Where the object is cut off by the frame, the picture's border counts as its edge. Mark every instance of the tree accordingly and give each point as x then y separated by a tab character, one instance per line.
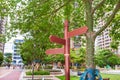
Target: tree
78	55
39	14
1	58
30	51
106	57
114	33
8	57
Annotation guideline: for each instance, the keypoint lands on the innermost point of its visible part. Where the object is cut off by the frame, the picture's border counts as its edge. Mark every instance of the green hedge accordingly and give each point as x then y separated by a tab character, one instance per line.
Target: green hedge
41	72
55	70
48	67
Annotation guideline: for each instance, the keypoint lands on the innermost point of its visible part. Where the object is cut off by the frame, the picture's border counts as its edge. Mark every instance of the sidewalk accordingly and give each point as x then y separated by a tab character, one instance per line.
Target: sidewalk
111	71
10	74
4	71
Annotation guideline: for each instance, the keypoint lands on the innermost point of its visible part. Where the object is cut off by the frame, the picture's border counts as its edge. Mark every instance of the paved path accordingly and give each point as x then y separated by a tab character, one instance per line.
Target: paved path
12	74
111	71
4	71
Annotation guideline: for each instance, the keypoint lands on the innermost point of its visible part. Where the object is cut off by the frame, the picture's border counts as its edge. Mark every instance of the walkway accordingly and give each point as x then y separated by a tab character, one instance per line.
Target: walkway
111	71
10	74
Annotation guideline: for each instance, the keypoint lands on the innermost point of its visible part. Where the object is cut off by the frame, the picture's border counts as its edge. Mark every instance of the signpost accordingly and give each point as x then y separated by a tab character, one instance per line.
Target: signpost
66	43
55	51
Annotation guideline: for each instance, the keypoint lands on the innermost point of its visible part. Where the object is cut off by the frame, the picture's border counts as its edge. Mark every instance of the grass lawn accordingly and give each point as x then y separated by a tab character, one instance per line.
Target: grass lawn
71	77
111	76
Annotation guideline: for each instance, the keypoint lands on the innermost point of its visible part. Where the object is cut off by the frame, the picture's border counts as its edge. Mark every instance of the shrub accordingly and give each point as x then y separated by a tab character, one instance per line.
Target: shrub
48	67
55	70
41	72
28	67
1	58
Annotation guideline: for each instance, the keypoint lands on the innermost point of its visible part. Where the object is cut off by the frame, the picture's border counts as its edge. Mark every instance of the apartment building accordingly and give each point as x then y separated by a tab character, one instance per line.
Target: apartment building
103	41
16	58
2	30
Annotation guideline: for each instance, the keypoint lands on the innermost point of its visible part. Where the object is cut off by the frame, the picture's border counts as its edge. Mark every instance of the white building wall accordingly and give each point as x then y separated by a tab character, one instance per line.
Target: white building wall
103	41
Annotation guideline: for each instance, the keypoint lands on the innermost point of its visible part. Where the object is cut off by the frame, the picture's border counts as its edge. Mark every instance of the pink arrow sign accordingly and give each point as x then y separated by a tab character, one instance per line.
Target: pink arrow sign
57	40
78	31
55	51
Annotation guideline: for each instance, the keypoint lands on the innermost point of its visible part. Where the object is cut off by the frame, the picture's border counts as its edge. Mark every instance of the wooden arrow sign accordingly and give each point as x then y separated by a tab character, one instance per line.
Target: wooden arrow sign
57	40
55	51
78	31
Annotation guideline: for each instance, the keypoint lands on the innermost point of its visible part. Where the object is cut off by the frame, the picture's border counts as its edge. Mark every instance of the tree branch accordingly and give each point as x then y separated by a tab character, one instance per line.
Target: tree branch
117	7
97	6
60	7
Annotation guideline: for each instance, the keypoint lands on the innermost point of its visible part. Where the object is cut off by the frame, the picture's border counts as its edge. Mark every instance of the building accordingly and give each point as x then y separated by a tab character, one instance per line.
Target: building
103	41
2	30
16	58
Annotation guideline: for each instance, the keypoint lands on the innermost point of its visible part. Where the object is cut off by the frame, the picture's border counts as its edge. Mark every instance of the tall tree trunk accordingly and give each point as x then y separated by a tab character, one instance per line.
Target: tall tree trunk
90	50
90	41
90	34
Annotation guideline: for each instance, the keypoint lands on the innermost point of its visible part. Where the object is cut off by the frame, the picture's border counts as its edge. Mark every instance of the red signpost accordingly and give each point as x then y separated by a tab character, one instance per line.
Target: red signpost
55	51
57	40
66	43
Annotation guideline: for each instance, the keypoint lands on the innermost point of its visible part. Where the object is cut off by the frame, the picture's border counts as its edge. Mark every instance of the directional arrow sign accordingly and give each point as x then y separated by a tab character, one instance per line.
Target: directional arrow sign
78	31
55	51
57	40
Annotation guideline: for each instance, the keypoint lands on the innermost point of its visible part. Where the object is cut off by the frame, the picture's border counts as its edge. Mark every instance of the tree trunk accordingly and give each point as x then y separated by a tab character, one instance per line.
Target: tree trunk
89	35
90	38
90	50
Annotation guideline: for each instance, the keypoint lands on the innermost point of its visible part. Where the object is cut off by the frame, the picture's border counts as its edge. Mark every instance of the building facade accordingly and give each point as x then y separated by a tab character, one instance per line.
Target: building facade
103	41
16	58
2	30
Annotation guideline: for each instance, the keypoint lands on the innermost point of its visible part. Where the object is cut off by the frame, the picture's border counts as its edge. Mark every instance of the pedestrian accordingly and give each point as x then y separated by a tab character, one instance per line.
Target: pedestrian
8	65
14	66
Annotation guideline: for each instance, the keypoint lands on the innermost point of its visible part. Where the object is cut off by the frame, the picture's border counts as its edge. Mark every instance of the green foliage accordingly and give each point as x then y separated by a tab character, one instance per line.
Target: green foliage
55	70
31	50
38	73
78	56
59	58
38	19
48	67
106	57
54	58
114	32
8	57
1	58
111	76
71	77
2	38
114	44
